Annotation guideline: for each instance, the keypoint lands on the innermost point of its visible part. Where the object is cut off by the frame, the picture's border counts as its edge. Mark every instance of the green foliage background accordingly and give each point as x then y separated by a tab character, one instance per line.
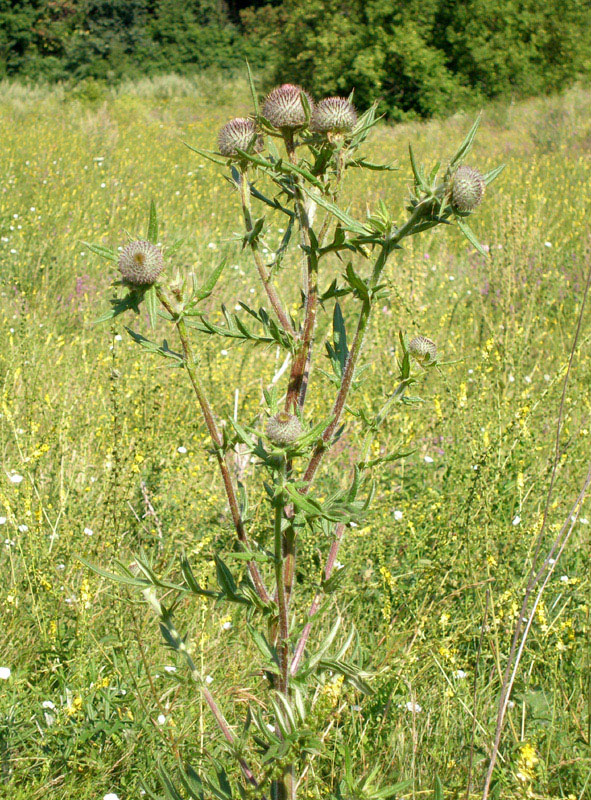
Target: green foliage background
418	57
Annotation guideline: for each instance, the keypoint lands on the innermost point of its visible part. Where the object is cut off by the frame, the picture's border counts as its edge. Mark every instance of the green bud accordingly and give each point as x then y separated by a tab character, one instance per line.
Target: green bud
467	189
239	133
423	350
334	115
283	428
283	107
140	263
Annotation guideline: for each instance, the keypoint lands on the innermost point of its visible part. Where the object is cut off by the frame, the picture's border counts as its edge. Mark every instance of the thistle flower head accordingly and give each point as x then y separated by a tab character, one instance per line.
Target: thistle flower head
335	115
283	106
283	428
140	263
239	133
467	189
423	350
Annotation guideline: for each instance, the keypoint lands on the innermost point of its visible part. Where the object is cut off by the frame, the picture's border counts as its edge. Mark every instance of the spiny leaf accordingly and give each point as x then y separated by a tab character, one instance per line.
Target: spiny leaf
152	235
151	301
348	221
208	154
469	234
466	145
103	252
253	93
493	174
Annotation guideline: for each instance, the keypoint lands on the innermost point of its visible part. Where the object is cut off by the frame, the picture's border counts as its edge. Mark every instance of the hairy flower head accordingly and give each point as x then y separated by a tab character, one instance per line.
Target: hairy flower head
283	428
283	106
140	263
423	350
334	115
240	133
467	189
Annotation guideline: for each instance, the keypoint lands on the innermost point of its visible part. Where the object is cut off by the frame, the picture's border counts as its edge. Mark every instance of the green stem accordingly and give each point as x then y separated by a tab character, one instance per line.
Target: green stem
296	391
282	605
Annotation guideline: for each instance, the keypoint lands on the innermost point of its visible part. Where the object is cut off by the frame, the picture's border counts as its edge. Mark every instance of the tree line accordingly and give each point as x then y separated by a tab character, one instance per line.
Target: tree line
417	57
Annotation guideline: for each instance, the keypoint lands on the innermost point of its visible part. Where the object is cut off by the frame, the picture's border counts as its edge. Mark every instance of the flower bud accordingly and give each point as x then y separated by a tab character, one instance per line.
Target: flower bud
283	107
334	115
423	350
140	263
467	189
239	133
283	428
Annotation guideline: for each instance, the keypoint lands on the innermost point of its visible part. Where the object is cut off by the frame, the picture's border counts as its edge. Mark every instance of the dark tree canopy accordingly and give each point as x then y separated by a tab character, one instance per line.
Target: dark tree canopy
417	57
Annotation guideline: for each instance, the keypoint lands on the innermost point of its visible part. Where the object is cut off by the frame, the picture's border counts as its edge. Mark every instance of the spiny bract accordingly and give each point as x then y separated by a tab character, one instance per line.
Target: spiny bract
334	114
467	189
283	428
283	106
140	263
423	350
240	133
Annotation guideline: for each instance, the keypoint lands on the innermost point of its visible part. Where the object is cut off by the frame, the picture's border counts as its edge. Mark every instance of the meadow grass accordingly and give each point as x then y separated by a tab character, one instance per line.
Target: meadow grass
102	453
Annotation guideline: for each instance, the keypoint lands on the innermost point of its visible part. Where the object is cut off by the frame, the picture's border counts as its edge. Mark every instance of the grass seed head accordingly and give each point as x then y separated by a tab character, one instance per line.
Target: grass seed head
334	115
140	263
283	107
423	350
240	133
283	428
467	189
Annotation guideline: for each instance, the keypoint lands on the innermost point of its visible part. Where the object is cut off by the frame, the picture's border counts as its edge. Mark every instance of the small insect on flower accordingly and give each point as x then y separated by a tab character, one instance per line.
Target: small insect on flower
239	133
283	428
423	350
283	107
140	263
334	115
467	189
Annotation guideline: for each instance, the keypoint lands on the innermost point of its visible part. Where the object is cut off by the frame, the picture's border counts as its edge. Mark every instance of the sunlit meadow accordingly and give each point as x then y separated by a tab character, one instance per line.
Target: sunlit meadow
103	454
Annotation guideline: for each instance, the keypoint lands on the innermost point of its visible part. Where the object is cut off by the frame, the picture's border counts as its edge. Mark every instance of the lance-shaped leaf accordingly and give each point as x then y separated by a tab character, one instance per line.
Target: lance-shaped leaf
363	163
419	179
349	222
386	459
227	583
210	155
273	203
191	581
365	123
251	236
356	282
152	347
268	652
326	645
208	286
170	789
466	145
253	93
151	301
124	577
493	174
103	252
152	234
338	352
470	236
351	673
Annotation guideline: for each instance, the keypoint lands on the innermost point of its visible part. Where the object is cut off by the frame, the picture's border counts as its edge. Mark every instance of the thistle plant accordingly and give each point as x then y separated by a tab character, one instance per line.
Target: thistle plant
303	151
